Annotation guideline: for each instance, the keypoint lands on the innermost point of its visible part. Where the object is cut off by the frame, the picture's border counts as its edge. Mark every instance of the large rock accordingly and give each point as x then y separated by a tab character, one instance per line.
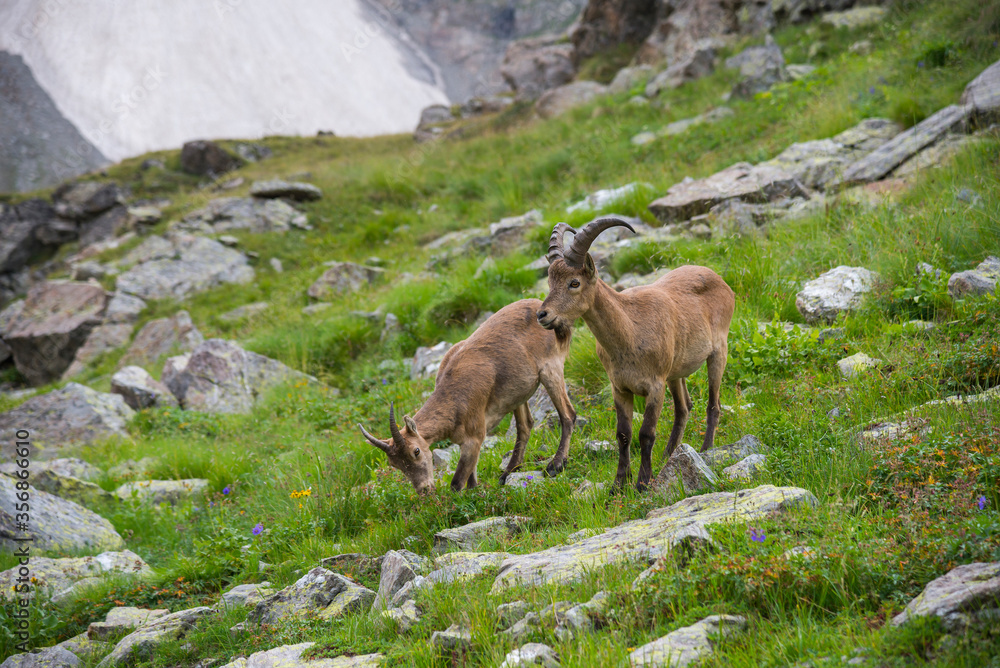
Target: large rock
252	214
685	472
558	101
857	364
290	656
724	454
840	290
164	336
983	95
318	594
55	321
697	64
427	360
69	467
745	469
687	645
649	538
343	277
905	145
296	190
49	657
221	377
123	309
194	264
56	575
397	570
245	595
468	536
102	340
121	619
760	68
18	232
532	654
86	199
67	487
533	66
628	78
461	566
140	390
742	181
206	158
964	596
162	491
73	415
139	646
108	225
679	27
821	162
979	281
55	524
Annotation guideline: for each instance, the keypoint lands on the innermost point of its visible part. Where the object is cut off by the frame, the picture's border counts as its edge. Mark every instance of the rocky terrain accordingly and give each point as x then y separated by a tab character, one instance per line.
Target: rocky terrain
188	341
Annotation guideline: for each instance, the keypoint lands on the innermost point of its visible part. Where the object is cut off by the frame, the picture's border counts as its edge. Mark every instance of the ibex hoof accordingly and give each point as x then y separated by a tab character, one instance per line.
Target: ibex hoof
553	469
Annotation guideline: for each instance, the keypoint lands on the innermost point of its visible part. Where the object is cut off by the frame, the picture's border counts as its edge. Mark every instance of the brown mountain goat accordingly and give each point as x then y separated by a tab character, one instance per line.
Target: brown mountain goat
649	338
492	373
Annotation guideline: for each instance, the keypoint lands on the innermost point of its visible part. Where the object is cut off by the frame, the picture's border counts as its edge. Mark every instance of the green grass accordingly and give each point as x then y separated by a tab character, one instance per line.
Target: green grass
891	517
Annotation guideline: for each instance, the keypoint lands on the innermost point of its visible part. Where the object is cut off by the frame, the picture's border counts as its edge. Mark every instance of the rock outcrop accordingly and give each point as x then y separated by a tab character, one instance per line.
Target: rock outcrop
290	656
49	657
296	190
344	277
840	290
533	66
558	101
162	491
57	575
965	596
163	336
469	536
318	594
647	538
687	645
183	266
252	214
221	377
206	158
56	524
684	473
140	390
139	645
73	415
979	281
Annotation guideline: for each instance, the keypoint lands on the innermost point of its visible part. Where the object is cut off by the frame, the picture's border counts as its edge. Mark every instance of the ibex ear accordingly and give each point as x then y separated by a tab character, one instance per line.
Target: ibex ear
589	267
410	424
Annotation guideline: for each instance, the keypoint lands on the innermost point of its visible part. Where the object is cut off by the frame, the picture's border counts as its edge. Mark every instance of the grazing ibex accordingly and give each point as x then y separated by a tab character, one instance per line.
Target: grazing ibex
649	338
492	373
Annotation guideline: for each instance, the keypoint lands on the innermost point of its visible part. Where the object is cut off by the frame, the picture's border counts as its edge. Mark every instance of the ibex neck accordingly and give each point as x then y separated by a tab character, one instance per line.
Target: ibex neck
435	420
607	319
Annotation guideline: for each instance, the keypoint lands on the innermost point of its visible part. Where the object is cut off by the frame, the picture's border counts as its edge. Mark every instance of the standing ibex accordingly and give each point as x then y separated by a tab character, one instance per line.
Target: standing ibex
649	338
492	373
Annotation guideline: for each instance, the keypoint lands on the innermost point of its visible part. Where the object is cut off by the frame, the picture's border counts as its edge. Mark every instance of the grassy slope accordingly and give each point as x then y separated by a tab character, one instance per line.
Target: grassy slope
891	519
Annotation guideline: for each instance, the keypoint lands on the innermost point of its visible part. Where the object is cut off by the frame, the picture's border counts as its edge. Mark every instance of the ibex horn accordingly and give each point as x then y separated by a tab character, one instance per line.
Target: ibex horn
397	438
577	252
556	241
374	441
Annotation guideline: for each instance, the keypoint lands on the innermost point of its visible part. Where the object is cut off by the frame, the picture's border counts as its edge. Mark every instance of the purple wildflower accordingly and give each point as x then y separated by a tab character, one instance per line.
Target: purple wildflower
871	90
757	535
982	503
258	529
226	490
920	64
524	483
211	504
385	381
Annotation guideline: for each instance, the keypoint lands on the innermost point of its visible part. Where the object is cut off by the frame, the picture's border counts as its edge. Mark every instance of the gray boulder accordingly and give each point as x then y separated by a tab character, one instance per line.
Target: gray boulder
296	190
19	226
532	654
108	225
194	264
744	469
405	616
724	454
318	594
533	66
162	491
965	596
252	214
86	199
56	524
427	360
558	101
983	95
687	645
56	319
290	656
456	638
140	390
508	234
687	470
103	339
700	62
139	646
840	290
344	277
49	657
221	377
206	158
857	364
69	467
57	575
121	619
646	539
74	415
760	68
628	78
245	595
454	566
66	487
821	162
468	536
742	181
979	281
397	570
163	336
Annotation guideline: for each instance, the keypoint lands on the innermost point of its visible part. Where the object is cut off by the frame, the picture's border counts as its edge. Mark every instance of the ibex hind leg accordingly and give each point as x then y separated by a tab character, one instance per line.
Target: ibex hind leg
716	367
682	410
522	419
623	434
555	385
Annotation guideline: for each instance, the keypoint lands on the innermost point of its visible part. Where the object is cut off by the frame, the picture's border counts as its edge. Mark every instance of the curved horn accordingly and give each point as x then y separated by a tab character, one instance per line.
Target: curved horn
374	441
585	237
397	438
556	241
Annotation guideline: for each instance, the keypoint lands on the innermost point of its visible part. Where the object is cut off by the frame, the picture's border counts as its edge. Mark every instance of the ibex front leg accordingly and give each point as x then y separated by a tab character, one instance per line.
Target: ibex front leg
623	434
647	436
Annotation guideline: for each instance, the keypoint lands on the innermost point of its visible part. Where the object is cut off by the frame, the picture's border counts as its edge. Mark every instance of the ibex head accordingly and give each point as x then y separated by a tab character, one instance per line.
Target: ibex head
572	273
407	451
